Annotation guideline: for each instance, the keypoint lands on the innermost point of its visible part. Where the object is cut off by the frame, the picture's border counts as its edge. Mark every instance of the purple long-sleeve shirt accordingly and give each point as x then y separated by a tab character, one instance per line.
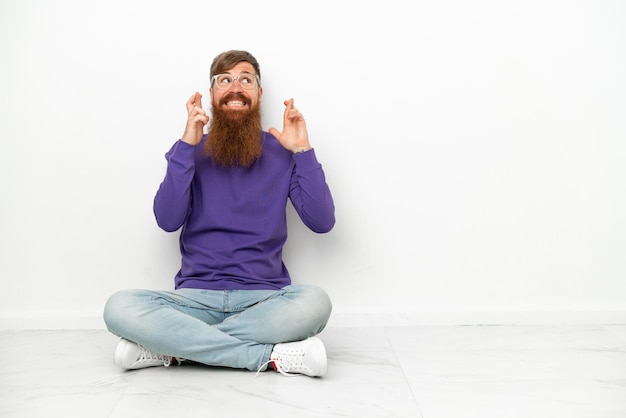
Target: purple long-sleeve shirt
234	219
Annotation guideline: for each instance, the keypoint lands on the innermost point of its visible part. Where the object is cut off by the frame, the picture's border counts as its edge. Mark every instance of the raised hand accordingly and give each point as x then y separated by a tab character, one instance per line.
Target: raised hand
294	135
196	119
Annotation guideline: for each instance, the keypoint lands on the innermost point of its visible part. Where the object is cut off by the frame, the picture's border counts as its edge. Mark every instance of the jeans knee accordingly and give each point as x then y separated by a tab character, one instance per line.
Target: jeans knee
114	310
317	306
324	304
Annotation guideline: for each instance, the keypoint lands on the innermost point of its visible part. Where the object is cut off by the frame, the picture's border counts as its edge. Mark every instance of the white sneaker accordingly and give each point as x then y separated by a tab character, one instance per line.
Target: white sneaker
306	357
129	355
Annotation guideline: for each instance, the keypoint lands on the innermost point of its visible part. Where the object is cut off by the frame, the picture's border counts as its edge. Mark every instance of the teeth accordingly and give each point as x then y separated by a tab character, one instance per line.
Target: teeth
235	103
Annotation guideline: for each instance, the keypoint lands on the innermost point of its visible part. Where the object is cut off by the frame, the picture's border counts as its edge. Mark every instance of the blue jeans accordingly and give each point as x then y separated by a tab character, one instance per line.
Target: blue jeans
228	328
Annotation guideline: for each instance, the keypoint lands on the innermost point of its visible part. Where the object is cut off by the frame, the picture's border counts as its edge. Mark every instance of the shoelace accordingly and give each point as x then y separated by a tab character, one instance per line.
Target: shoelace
147	355
284	363
263	366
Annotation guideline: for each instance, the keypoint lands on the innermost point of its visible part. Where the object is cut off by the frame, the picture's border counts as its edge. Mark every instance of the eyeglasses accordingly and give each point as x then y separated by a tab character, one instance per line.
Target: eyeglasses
246	81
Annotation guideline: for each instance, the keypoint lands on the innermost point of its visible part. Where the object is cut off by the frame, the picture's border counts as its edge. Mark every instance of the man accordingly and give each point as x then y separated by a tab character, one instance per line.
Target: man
233	303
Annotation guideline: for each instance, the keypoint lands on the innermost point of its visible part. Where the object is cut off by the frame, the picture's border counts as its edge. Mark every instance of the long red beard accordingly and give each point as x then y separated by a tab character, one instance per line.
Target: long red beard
234	137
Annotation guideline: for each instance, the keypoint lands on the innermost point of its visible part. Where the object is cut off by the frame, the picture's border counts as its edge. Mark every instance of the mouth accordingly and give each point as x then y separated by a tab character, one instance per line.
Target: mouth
234	102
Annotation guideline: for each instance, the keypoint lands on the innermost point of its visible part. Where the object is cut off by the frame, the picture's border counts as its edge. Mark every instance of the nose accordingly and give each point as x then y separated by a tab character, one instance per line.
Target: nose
235	86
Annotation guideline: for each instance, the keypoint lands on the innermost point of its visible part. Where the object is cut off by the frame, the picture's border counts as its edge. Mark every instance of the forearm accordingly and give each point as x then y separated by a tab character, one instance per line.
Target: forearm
311	195
173	198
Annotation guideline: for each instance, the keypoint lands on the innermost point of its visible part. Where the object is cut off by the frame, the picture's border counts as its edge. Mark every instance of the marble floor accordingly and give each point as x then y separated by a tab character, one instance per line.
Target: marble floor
429	372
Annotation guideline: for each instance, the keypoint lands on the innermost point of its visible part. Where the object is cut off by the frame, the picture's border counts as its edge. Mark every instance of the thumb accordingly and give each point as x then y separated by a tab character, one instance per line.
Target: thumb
274	132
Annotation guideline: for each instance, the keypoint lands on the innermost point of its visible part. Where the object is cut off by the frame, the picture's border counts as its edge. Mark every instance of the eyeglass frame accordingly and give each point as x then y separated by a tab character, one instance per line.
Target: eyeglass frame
256	76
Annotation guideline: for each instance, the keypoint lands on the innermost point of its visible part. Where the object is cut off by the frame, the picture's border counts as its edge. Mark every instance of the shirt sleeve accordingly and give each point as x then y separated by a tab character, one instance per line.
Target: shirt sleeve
310	193
173	198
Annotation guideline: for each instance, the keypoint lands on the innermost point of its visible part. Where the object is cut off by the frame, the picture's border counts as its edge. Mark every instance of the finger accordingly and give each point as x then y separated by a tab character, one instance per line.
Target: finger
190	102
289	104
203	119
293	114
194	101
198	111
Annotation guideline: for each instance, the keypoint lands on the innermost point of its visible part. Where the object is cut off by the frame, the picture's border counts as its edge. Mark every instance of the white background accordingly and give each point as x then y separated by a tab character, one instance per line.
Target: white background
475	150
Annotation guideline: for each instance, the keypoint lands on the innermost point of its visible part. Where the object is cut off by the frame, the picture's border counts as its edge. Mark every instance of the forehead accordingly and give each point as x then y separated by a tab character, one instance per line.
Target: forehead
242	67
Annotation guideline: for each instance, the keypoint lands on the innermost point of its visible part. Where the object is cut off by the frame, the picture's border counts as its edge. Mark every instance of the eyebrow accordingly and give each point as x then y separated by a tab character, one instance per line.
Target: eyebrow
243	72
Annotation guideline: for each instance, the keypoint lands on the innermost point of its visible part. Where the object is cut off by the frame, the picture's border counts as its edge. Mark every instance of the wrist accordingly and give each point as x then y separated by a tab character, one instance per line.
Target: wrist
300	150
191	140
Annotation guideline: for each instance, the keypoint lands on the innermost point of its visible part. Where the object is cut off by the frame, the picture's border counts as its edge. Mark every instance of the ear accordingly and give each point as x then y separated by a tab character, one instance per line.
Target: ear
260	93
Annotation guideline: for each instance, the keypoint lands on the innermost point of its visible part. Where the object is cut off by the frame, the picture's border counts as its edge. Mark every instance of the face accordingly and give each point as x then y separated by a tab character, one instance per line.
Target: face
237	99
